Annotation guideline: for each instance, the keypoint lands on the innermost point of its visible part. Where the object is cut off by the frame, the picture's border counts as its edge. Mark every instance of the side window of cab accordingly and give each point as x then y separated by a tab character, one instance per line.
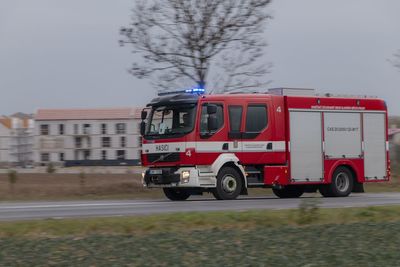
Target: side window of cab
211	119
256	120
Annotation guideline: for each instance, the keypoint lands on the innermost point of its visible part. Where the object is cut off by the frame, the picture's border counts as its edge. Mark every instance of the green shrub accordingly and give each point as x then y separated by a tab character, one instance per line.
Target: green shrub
82	179
12	178
308	211
50	168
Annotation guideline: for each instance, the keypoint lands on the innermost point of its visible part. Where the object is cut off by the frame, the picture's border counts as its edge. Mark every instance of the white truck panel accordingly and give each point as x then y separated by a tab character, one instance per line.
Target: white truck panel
306	146
342	135
374	146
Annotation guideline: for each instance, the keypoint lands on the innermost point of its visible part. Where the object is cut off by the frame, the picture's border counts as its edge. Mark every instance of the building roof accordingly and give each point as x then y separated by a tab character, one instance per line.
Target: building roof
14	122
22	116
6	122
88	114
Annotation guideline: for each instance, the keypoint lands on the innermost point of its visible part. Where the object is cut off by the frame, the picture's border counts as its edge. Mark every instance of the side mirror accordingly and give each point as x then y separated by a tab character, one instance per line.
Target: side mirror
212	123
142	128
211	109
143	115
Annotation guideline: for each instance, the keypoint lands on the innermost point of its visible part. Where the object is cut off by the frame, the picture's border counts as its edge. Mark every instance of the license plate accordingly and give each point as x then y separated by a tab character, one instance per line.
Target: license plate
155	172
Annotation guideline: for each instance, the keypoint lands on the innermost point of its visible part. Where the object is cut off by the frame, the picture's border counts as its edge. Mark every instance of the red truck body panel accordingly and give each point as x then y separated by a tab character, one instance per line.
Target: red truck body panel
273	150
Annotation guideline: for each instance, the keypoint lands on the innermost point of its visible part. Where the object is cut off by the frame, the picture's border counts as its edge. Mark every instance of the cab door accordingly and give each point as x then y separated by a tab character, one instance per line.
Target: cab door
257	143
235	119
211	143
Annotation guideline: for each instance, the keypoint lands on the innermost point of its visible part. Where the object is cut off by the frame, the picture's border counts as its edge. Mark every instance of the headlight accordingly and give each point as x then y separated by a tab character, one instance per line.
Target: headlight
185	176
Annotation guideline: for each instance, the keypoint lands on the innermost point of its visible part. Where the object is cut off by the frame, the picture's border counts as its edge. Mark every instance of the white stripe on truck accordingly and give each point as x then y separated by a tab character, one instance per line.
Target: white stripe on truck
202	147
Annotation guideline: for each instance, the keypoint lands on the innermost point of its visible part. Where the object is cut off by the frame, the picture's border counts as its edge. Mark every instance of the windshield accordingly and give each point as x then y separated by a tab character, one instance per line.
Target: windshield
171	120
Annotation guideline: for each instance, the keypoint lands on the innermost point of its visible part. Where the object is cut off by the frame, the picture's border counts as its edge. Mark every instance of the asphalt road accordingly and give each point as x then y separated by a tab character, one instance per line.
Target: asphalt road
72	209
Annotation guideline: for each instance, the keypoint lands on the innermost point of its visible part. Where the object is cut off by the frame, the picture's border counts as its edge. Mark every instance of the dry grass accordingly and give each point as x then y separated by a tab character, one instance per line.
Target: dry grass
65	186
110	186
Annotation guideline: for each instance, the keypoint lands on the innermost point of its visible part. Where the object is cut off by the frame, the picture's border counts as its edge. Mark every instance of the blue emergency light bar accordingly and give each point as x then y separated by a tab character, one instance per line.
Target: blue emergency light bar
195	91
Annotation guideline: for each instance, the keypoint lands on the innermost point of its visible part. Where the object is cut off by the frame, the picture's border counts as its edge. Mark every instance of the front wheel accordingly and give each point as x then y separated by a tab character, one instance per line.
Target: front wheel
229	184
176	194
290	191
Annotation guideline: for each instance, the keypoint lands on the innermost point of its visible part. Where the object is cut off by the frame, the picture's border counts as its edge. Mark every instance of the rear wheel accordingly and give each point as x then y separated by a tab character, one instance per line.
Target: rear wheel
229	184
341	185
289	191
176	194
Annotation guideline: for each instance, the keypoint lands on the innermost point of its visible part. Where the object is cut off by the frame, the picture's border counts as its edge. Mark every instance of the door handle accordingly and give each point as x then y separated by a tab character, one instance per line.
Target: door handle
225	146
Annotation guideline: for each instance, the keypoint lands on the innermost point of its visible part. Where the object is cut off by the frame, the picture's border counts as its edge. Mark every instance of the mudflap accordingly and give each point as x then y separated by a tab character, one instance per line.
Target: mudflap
358	188
244	191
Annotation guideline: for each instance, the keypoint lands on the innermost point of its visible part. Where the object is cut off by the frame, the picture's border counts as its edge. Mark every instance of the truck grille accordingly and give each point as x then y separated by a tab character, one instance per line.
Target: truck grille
163	157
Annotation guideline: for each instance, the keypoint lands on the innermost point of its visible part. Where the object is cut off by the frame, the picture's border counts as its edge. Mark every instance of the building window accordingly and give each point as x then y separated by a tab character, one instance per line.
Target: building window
86	129
78	142
61	156
106	141
123	141
104	154
86	155
120	128
44	129
76	128
61	129
45	157
120	154
103	128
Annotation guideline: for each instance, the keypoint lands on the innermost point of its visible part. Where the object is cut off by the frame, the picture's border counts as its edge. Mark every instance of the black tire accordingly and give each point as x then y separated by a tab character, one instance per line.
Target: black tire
323	190
176	194
229	184
290	191
341	185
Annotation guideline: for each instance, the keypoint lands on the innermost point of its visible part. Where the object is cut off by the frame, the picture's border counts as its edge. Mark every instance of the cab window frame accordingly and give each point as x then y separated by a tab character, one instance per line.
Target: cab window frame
205	135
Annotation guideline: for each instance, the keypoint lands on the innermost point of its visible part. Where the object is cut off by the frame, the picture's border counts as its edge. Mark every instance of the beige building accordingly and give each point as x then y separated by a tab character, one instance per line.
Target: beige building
87	137
394	144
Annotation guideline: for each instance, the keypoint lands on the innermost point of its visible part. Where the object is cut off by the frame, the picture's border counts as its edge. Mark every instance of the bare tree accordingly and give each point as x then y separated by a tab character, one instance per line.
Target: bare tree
396	60
183	43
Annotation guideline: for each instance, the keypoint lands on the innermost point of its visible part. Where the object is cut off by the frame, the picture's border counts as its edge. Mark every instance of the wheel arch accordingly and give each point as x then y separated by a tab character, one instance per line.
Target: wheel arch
351	166
229	160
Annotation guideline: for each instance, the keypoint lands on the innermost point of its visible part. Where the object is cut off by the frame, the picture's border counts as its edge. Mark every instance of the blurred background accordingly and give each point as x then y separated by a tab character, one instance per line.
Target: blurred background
75	75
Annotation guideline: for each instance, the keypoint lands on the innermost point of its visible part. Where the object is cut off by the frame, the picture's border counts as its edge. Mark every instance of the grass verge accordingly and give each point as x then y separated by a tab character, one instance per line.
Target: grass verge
334	237
190	221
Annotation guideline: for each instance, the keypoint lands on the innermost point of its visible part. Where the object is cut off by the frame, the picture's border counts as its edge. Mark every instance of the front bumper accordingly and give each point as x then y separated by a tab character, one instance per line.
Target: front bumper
172	177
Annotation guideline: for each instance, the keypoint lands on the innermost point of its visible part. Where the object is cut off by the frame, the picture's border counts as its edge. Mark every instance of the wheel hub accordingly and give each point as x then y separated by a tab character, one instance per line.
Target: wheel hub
342	182
229	184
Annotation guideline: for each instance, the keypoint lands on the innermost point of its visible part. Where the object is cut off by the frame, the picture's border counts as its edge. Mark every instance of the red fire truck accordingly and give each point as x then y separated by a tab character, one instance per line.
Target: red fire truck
290	140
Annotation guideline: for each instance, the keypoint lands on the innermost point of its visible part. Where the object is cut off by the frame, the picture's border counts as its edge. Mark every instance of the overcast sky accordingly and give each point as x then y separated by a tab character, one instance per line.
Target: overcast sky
65	53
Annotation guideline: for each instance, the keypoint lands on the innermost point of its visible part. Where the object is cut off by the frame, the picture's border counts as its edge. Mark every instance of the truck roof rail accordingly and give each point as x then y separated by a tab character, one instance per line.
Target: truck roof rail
244	92
287	91
346	95
292	91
